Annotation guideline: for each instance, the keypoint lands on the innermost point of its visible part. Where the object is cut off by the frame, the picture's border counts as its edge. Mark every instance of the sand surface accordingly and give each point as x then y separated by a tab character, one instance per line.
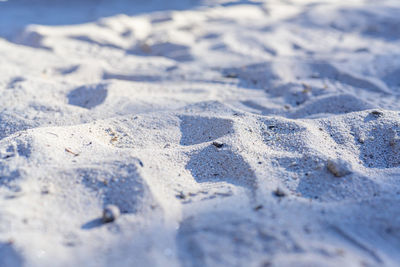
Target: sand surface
227	133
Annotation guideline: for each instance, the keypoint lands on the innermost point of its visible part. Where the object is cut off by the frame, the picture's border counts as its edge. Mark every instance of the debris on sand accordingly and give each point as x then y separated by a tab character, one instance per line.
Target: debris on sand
181	195
71	152
339	167
231	75
258	207
110	213
217	144
279	192
377	113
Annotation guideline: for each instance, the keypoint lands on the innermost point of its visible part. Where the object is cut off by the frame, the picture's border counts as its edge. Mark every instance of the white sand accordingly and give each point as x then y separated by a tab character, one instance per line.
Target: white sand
228	133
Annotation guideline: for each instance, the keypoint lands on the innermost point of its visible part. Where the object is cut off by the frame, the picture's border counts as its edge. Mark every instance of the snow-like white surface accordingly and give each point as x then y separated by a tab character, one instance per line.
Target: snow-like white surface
228	133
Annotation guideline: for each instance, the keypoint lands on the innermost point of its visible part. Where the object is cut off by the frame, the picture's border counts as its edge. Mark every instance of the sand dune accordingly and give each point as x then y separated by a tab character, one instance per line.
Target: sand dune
227	133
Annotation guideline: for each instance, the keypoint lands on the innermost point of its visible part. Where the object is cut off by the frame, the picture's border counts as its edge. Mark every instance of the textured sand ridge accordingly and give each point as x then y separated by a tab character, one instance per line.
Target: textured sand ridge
223	133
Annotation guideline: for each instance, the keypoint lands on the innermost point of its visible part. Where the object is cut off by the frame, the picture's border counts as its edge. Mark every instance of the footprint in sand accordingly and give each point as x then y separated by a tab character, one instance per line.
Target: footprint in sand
210	238
213	164
88	96
118	184
197	130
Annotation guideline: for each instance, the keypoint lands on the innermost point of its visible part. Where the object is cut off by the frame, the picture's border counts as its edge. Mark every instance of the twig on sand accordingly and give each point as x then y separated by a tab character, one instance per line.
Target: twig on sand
52	134
73	153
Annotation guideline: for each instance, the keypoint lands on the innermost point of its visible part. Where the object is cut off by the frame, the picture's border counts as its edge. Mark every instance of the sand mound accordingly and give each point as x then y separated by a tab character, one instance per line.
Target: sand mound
225	133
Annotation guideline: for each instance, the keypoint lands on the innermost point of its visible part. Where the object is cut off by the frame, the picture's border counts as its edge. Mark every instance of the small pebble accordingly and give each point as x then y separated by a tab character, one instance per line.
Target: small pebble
45	190
377	113
231	75
181	195
258	207
110	213
339	167
217	144
279	192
